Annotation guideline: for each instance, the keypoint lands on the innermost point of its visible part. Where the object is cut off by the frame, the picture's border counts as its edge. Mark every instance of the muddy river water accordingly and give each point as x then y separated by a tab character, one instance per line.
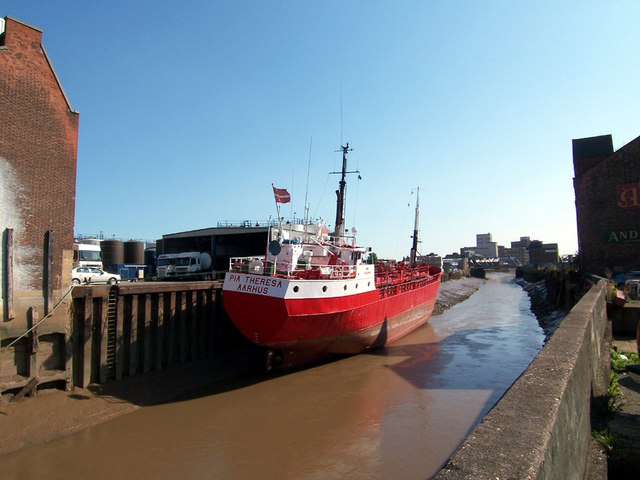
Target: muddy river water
396	413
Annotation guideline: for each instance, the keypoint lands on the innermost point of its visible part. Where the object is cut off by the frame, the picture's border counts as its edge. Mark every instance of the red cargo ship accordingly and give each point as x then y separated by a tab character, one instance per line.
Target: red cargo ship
313	293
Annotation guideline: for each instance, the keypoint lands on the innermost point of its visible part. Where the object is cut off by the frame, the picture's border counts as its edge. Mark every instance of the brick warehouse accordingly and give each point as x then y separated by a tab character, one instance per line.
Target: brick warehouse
607	190
38	149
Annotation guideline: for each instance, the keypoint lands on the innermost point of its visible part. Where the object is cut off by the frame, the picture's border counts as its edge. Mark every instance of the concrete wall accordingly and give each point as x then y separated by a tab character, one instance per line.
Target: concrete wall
541	427
625	319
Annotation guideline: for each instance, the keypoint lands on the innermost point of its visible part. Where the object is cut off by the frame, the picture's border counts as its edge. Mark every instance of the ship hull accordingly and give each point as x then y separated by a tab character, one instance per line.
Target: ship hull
346	324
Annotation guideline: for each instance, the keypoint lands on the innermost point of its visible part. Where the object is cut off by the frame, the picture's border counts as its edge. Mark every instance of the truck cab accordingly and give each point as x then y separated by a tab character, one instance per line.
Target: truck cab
187	262
87	255
166	265
193	264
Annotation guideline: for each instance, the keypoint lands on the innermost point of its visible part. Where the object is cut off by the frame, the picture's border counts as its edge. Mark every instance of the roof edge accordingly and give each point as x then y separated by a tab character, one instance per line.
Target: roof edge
55	75
22	23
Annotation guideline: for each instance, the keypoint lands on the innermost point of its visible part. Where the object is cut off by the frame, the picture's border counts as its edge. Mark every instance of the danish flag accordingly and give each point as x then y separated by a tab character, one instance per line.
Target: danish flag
281	194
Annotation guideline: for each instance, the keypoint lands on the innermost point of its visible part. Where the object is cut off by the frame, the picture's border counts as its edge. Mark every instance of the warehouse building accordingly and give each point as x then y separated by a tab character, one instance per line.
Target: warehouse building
221	242
607	192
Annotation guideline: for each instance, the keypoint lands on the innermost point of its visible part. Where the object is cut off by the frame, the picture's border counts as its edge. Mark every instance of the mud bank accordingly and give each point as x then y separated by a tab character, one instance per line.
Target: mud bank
53	414
548	318
455	291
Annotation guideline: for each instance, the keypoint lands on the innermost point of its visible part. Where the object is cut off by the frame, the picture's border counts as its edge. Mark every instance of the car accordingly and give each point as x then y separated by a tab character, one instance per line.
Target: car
93	275
632	288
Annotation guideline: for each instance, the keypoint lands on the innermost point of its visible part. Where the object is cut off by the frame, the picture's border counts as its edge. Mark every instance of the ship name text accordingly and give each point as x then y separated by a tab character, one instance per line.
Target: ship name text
254	283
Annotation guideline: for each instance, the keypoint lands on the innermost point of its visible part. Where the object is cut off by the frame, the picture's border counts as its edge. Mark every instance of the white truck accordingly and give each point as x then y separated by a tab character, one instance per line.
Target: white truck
193	265
87	255
166	265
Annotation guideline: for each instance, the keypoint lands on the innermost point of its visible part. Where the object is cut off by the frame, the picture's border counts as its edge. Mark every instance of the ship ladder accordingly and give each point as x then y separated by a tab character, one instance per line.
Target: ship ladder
111	332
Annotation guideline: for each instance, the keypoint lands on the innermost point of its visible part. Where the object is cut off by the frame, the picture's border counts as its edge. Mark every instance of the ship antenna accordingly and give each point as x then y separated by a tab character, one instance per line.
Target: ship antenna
341	123
414	248
341	203
306	192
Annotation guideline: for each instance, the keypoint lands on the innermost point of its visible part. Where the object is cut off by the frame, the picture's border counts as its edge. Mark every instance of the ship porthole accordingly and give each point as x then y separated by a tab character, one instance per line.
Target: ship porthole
345	287
368	284
324	288
296	288
356	285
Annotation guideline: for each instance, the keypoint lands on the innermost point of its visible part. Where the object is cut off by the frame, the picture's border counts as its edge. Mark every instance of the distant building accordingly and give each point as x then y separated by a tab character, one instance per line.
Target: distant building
485	247
456	263
523	242
521	254
607	191
468	251
543	253
432	259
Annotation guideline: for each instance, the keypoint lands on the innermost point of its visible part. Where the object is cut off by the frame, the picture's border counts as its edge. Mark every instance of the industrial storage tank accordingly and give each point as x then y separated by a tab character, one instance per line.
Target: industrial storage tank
112	252
134	252
150	255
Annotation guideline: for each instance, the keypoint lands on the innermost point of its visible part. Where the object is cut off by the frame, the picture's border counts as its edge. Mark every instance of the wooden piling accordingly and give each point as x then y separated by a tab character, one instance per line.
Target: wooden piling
171	331
8	274
147	354
48	270
86	339
120	350
160	327
156	326
102	327
134	338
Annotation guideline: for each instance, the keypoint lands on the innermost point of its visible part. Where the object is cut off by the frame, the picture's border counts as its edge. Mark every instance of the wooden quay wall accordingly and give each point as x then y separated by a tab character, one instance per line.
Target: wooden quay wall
134	328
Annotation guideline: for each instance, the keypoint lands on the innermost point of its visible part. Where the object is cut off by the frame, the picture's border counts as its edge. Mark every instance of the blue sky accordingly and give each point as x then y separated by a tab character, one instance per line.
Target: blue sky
190	110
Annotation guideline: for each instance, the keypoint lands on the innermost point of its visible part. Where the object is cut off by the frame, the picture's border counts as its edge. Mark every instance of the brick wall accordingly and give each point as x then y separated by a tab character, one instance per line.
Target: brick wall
608	210
38	148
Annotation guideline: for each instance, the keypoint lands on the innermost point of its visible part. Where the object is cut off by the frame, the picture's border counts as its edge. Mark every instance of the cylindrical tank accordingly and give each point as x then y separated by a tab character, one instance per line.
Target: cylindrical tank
205	261
134	252
150	255
112	252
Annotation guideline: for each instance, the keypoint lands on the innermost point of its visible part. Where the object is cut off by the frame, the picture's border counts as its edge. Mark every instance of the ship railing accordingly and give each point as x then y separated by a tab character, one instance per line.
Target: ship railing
388	287
250	265
400	273
258	265
324	272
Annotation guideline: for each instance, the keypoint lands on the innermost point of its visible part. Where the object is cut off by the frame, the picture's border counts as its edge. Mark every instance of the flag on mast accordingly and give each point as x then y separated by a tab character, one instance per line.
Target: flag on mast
281	195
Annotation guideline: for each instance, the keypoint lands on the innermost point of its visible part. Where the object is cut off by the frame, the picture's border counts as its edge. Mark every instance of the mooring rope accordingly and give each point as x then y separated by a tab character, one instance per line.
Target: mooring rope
41	320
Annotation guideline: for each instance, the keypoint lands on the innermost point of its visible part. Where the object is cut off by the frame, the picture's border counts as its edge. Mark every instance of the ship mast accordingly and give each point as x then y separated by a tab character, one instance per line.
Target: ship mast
414	248
339	230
